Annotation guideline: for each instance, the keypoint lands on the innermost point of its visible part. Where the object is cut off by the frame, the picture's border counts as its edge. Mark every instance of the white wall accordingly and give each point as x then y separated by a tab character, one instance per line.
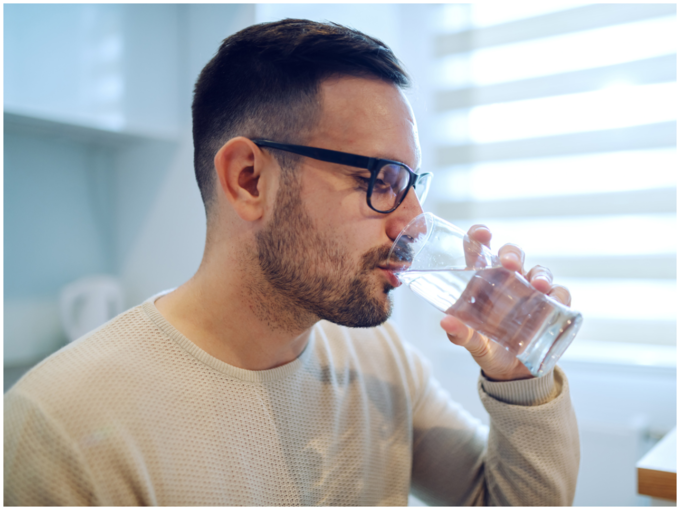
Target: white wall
76	207
56	221
161	224
108	65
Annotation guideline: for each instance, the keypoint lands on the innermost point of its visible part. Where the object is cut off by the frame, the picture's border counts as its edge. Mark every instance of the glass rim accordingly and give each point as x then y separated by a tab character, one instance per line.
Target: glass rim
429	222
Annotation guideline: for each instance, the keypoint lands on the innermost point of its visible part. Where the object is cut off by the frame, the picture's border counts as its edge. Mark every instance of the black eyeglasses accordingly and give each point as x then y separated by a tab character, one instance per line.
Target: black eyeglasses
389	182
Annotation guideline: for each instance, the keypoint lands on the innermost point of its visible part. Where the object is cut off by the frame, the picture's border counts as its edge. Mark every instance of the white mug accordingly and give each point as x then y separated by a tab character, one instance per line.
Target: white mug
88	303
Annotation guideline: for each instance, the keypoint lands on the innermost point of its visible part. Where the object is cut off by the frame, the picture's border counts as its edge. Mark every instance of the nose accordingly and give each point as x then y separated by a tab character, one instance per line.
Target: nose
399	218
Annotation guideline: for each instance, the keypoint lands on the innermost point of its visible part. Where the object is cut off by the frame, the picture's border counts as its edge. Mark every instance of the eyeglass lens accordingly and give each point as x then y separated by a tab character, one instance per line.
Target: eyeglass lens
423	186
390	185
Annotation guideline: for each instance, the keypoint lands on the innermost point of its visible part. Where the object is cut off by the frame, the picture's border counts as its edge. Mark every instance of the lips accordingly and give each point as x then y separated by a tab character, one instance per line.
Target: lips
391	277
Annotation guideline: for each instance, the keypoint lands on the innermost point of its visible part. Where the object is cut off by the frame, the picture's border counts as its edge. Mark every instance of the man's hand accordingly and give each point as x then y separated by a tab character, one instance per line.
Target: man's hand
497	363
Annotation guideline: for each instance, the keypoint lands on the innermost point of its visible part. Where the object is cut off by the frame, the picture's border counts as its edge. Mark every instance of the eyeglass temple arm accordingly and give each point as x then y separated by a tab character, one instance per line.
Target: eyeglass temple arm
419	177
326	155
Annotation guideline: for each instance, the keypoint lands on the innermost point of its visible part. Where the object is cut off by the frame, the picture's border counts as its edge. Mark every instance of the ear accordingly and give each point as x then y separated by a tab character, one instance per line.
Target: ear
239	165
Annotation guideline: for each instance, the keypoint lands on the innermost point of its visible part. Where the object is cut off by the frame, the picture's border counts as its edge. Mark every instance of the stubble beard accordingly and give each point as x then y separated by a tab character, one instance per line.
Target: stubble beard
308	276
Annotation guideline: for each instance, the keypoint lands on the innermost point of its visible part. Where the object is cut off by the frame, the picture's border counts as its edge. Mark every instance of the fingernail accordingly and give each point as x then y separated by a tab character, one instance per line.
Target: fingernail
444	325
512	257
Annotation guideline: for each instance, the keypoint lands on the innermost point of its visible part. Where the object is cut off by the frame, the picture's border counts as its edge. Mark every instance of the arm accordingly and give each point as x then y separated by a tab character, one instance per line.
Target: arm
533	449
529	456
532	452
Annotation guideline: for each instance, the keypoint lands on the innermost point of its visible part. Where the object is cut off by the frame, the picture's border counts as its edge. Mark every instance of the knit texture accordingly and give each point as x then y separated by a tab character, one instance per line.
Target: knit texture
135	414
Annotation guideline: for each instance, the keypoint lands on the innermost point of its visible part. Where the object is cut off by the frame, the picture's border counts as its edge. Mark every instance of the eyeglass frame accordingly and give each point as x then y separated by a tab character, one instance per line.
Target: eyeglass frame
345	158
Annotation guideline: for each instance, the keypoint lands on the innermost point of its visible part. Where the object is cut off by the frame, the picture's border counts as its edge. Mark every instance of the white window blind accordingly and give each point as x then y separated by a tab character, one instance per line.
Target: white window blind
556	127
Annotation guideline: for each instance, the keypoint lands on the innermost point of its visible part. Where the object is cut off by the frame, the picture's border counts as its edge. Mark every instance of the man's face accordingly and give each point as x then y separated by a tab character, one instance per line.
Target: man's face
322	249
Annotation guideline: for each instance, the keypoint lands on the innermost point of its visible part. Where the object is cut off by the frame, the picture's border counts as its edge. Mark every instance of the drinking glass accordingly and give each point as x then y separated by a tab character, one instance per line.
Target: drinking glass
463	278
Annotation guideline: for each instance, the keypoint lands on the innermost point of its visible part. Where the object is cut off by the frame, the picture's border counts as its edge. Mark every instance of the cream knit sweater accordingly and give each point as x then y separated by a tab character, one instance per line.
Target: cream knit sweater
135	414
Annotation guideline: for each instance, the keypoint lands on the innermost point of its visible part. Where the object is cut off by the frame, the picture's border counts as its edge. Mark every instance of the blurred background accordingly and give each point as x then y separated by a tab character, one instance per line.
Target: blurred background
552	123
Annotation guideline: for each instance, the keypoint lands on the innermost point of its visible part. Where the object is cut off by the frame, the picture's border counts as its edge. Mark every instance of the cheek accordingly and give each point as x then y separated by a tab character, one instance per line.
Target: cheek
341	216
329	194
335	217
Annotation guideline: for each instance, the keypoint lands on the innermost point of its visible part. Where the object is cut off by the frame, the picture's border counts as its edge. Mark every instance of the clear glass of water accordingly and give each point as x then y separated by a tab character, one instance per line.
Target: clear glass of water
463	278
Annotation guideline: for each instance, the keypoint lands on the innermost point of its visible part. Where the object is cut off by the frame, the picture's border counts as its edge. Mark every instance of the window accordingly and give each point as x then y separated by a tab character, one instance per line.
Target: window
556	127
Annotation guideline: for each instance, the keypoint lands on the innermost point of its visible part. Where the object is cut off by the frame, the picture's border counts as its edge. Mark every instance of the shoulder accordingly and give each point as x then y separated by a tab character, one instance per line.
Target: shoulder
94	368
68	412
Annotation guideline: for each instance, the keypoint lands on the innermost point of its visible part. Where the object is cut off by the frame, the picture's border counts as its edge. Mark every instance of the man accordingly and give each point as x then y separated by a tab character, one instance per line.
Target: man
250	384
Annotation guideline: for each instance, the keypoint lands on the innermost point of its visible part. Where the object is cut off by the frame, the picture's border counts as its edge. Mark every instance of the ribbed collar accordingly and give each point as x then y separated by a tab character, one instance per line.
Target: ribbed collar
254	376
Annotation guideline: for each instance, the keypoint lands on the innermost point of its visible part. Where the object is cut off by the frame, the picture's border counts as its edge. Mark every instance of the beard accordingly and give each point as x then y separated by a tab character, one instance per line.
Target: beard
310	276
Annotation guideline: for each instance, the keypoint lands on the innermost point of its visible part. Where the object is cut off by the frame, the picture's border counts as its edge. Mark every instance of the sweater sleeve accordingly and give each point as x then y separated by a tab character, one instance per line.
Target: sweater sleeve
42	467
529	456
533	450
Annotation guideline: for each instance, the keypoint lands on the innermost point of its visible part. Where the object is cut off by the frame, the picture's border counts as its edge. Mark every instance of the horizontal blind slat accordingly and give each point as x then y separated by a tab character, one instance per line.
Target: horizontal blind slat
657	267
594	243
648	136
652	70
628	330
579	236
562	22
662	200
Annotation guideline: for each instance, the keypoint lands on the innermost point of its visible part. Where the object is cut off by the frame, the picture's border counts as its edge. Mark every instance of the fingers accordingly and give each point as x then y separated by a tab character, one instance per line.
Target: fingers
541	278
454	327
496	363
459	334
512	257
561	294
481	234
480	237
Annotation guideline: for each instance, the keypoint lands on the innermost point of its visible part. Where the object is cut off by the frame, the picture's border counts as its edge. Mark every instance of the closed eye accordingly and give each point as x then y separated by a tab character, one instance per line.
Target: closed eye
381	186
362	181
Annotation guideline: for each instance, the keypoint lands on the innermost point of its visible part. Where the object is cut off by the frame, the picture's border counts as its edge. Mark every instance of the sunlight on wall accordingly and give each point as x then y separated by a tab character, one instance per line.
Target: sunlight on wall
561	53
543	177
574	236
560	114
571	113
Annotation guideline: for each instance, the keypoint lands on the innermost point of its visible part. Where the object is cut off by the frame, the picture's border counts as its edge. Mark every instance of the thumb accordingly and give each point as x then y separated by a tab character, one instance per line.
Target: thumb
477	345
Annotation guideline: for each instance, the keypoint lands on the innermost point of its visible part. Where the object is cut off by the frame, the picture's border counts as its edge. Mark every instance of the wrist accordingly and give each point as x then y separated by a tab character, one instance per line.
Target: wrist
517	375
526	392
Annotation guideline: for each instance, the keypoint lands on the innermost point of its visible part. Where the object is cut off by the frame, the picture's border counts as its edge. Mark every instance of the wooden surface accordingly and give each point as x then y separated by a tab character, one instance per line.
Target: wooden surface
657	471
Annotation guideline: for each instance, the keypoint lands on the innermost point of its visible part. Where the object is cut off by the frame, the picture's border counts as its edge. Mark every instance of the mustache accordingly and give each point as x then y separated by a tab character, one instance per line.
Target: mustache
375	257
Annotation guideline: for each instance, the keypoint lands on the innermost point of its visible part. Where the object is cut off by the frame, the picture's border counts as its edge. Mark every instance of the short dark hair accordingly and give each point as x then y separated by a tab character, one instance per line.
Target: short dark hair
264	81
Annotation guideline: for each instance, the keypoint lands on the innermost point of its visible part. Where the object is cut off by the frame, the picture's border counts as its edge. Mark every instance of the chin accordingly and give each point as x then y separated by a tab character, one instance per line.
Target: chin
388	307
380	312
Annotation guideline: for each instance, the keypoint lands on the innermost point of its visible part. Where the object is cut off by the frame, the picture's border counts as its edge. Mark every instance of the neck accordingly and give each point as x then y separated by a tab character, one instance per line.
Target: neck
235	317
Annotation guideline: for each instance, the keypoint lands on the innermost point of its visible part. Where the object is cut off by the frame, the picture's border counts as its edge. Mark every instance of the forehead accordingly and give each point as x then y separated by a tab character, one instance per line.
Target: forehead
369	117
